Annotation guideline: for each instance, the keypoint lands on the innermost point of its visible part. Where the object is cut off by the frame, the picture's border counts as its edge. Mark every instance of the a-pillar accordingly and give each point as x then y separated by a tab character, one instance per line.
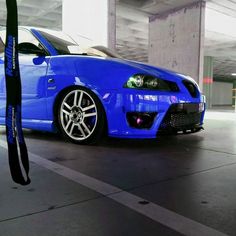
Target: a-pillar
208	80
176	40
91	22
234	94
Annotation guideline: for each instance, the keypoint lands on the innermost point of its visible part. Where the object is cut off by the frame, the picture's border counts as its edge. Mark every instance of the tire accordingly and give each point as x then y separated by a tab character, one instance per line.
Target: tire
81	117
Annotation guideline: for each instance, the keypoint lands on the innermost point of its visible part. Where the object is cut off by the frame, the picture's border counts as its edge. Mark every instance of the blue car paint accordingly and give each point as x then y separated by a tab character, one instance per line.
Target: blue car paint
105	77
33	82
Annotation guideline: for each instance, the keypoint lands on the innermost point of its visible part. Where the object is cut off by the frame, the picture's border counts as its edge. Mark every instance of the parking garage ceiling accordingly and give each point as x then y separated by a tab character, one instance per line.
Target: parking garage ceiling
132	26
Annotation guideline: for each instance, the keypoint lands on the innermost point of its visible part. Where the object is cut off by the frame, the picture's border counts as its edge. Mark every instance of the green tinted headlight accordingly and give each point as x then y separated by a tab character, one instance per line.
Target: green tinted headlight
142	81
135	81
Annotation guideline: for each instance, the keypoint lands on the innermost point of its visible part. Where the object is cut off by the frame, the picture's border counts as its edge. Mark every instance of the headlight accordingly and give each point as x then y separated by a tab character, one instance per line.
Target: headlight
141	81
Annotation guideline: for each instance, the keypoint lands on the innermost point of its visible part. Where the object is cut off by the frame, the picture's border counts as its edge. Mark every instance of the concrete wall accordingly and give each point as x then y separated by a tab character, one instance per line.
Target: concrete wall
176	40
222	93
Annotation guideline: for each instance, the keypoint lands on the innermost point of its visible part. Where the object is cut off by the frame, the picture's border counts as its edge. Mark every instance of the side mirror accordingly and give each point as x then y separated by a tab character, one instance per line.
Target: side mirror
30	48
39	60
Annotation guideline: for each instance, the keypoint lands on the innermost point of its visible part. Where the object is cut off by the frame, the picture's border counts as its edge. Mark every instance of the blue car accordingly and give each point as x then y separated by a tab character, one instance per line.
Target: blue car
87	93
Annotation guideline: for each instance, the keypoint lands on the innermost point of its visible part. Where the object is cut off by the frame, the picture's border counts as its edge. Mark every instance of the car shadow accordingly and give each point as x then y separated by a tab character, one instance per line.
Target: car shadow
162	141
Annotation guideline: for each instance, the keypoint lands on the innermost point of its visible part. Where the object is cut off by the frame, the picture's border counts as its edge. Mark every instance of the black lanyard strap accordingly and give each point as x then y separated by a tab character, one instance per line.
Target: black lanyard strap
14	132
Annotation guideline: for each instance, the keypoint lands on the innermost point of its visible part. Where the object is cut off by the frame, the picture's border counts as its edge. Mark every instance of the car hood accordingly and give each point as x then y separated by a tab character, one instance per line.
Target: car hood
156	71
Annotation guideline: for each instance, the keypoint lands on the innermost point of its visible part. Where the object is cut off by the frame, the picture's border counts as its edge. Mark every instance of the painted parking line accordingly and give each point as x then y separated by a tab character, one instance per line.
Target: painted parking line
231	116
153	211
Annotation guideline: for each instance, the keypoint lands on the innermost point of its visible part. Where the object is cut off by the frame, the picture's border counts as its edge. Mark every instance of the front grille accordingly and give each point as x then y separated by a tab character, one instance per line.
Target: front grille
181	121
192	89
173	86
181	118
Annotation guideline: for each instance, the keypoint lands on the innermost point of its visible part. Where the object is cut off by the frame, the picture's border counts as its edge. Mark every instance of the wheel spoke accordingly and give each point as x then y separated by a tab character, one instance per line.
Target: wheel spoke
66	112
68	124
80	98
66	105
86	128
75	98
72	128
88	108
81	130
90	114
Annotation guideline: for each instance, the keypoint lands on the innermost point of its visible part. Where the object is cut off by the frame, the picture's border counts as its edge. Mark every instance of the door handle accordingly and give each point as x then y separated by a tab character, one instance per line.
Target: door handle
50	81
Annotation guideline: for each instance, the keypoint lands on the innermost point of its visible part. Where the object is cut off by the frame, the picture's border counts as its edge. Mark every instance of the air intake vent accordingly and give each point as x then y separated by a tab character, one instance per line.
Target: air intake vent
181	117
173	86
192	89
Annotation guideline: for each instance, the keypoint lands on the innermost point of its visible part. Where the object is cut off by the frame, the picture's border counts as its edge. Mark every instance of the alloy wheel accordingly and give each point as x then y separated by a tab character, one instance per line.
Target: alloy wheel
78	115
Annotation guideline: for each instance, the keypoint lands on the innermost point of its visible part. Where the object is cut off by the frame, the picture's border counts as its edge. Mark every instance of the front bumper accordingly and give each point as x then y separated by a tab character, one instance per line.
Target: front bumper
182	117
159	106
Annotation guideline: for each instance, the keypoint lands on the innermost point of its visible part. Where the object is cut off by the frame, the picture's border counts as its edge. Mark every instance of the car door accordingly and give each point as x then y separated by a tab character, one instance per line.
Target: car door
33	69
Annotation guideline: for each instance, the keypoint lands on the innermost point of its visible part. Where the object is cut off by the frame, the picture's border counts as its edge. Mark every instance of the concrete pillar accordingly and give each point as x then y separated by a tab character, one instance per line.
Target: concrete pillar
176	40
208	80
92	21
234	93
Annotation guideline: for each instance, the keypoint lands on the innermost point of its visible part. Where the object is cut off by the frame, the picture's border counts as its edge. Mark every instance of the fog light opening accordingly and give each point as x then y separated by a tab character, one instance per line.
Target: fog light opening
141	120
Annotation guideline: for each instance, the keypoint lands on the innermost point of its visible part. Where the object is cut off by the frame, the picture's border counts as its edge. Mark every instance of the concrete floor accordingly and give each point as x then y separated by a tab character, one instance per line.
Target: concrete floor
190	179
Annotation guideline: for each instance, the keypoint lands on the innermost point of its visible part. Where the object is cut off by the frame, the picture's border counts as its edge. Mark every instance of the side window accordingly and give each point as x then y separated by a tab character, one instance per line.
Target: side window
25	38
28	44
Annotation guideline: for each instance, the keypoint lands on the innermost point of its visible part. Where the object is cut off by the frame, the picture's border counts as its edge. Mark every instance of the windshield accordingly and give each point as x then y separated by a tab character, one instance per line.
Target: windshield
65	45
60	41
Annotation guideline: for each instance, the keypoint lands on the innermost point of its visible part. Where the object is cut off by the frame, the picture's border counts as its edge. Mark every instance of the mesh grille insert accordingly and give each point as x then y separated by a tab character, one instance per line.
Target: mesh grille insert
188	118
